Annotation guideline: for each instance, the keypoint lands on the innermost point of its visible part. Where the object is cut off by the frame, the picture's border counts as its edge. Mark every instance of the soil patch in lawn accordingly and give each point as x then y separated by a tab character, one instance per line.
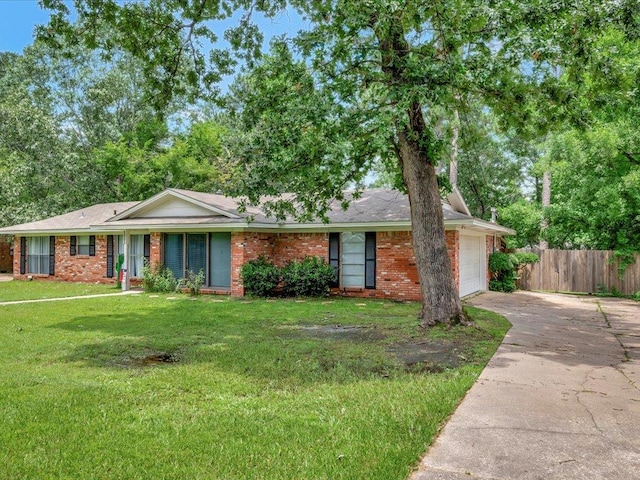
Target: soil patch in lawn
154	359
416	354
354	333
427	355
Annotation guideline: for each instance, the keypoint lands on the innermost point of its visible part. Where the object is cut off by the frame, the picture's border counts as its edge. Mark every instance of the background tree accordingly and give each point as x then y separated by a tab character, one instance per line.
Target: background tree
373	71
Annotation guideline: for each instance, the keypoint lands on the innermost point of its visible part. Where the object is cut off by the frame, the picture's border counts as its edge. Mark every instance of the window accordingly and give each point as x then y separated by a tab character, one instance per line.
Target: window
220	260
83	245
353	256
353	259
210	253
197	252
38	255
174	253
136	255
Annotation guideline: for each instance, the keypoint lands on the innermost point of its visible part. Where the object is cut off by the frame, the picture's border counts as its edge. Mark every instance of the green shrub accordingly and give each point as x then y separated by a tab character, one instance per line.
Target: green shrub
194	282
503	272
260	277
504	269
309	277
158	279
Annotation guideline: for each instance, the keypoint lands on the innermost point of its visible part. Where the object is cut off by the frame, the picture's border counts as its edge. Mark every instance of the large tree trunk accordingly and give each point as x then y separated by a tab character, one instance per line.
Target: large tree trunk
440	299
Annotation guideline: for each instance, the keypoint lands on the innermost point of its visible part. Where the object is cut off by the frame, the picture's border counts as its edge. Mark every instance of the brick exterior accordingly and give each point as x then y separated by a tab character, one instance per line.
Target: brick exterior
396	272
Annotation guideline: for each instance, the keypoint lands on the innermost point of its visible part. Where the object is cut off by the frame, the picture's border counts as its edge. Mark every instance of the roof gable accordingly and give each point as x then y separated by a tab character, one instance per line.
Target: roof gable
172	203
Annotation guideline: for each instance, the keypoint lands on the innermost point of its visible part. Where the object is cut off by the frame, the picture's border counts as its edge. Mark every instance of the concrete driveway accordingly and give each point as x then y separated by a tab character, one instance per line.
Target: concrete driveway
560	399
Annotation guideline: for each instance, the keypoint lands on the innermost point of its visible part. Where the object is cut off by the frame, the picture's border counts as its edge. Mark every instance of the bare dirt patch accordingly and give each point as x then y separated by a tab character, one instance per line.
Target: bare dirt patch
161	358
427	355
416	354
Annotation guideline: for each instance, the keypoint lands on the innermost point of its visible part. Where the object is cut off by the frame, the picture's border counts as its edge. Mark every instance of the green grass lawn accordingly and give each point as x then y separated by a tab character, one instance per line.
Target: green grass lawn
35	290
159	387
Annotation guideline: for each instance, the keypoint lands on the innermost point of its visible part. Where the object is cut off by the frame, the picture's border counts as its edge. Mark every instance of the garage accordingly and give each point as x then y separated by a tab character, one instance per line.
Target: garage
472	264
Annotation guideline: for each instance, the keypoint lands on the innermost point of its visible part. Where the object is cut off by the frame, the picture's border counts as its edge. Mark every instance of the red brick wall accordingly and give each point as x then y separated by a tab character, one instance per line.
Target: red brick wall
16	257
396	273
155	253
296	246
77	268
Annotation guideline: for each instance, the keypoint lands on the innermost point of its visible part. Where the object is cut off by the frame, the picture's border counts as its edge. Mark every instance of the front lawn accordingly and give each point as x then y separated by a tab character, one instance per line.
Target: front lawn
35	290
164	386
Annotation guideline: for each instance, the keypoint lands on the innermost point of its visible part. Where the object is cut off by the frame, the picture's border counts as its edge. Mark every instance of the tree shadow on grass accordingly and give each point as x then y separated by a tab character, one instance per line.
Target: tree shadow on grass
234	341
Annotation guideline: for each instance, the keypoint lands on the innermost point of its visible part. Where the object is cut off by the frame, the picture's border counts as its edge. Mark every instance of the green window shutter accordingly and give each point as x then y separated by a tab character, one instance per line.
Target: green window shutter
52	255
370	260
73	241
147	248
23	255
109	256
334	257
92	245
174	253
220	260
197	252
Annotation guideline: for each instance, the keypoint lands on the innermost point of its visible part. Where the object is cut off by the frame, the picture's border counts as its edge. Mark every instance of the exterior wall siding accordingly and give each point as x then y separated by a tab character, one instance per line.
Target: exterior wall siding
396	272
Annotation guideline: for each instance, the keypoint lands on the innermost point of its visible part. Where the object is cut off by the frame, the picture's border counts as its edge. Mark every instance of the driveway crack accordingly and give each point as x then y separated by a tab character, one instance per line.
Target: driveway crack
625	350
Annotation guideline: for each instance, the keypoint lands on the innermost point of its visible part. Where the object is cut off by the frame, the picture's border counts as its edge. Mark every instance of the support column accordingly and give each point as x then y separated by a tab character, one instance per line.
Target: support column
126	284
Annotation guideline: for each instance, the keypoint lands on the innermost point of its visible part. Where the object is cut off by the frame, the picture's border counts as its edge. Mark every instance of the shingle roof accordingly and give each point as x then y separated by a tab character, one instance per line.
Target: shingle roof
77	220
374	206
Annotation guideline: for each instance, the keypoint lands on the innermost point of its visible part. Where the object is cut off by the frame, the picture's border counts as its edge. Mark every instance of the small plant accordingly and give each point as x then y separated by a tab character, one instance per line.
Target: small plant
119	264
260	277
194	282
158	279
309	277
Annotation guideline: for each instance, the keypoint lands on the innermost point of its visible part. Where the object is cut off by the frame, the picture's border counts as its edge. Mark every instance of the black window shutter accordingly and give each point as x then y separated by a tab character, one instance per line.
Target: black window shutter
72	245
52	255
334	257
109	256
370	260
23	255
147	248
92	245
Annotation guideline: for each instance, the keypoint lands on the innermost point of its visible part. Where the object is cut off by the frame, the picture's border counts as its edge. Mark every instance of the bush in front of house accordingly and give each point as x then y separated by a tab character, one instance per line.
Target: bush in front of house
504	269
158	279
503	273
260	277
309	277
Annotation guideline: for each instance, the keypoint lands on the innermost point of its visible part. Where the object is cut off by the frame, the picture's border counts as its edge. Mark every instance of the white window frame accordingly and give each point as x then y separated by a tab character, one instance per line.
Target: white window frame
352	259
83	245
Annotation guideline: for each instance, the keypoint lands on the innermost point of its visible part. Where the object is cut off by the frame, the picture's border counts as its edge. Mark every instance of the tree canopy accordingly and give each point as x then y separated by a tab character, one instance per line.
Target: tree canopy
367	80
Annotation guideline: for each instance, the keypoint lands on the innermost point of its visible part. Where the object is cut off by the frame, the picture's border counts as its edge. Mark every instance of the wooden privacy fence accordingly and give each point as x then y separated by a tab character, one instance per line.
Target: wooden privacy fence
584	271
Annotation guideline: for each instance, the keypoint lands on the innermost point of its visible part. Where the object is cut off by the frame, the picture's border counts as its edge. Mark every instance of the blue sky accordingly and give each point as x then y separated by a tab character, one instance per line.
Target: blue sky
18	19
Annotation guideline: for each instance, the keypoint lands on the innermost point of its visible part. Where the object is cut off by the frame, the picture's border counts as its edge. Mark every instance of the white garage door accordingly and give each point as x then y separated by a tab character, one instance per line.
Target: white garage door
472	265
